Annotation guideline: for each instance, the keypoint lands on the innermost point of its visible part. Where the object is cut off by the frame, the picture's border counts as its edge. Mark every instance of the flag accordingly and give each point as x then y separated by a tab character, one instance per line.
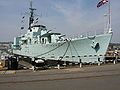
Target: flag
102	3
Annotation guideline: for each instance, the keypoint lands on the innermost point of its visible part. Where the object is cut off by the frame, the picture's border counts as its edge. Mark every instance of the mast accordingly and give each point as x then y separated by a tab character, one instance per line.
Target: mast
109	17
31	18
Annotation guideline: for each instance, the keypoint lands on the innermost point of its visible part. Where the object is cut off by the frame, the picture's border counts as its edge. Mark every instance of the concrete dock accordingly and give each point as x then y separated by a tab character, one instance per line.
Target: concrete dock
105	77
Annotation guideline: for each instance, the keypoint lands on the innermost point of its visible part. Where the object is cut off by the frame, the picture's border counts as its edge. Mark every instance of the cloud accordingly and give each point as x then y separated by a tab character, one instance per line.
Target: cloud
76	17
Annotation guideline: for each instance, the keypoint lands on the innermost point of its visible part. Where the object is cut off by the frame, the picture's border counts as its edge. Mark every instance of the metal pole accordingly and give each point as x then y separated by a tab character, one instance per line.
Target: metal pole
115	61
109	12
58	64
105	23
109	17
33	67
99	61
80	63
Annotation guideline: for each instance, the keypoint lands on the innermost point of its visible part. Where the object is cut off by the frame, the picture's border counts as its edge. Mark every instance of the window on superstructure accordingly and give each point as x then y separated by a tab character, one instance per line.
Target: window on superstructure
30	41
42	40
45	41
25	41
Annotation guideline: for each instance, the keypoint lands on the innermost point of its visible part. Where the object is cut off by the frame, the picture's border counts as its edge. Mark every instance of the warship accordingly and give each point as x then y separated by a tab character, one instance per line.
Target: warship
41	45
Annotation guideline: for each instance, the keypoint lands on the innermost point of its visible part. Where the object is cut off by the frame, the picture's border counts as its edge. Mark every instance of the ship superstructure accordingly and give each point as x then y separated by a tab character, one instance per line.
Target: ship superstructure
41	44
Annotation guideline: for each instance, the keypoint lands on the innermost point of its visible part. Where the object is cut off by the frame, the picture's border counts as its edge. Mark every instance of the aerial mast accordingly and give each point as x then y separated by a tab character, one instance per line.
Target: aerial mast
102	2
31	18
109	17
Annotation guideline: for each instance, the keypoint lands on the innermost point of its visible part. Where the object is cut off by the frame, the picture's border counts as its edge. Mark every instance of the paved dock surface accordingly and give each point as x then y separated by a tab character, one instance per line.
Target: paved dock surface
105	77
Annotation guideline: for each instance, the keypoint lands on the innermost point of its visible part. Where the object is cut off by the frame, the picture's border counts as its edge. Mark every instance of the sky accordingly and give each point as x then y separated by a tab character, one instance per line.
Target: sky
70	17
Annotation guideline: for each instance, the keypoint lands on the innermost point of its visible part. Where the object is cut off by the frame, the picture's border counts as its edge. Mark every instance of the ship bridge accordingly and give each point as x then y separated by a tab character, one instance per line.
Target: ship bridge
52	37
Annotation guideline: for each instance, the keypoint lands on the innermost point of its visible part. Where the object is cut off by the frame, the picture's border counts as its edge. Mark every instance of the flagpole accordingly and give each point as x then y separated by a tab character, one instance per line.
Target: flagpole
109	12
109	17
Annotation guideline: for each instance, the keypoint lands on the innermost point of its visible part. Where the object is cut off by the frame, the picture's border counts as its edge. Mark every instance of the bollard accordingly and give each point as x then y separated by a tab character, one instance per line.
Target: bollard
99	61
80	63
58	66
114	62
33	67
